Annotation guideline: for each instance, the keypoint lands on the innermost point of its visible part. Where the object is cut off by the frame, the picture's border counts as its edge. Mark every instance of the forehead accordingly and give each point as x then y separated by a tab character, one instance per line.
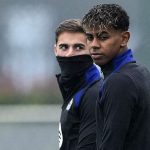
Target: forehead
101	31
69	37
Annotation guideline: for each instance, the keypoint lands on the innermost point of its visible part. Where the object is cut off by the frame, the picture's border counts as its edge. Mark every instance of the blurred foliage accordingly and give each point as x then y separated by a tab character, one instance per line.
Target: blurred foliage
32	98
40	94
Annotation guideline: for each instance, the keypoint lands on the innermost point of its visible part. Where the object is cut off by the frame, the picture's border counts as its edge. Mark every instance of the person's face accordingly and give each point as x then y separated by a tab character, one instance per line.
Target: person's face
104	45
71	44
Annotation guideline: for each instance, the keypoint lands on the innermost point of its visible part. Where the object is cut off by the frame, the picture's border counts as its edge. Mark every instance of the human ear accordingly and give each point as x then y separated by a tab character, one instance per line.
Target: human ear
125	38
55	49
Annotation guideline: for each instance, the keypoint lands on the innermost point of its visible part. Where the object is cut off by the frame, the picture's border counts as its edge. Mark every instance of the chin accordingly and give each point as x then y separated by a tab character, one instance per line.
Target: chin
99	63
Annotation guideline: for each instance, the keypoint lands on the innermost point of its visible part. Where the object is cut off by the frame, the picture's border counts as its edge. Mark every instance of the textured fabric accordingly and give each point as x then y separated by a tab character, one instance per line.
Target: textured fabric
73	65
72	72
123	109
77	128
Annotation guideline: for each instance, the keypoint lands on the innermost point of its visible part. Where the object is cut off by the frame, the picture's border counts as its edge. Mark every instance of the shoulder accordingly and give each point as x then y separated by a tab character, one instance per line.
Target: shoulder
118	78
92	91
127	75
119	88
88	95
120	83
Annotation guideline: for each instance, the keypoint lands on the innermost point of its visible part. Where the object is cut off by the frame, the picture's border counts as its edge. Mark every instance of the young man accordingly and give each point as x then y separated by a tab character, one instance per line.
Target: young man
79	83
123	109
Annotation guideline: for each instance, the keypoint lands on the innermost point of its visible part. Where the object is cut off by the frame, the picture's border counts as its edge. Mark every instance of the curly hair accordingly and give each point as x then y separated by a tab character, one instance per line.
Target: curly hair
106	16
70	25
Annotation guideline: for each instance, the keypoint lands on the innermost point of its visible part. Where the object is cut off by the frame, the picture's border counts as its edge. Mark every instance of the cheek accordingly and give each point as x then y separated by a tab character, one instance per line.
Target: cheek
80	53
84	52
60	53
89	43
114	51
110	50
112	46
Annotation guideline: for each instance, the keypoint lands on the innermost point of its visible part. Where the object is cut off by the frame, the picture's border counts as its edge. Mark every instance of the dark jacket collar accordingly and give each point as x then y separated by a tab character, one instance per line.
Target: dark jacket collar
118	62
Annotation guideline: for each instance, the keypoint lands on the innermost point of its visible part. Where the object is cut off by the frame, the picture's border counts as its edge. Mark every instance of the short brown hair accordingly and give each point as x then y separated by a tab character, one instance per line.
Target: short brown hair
71	25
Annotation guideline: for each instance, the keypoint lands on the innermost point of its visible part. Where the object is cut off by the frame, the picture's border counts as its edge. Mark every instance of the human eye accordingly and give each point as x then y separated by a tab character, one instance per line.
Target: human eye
102	37
63	47
79	47
90	37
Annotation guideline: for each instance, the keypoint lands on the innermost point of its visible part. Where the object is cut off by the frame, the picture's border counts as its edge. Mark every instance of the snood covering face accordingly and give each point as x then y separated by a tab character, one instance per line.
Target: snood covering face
74	64
72	73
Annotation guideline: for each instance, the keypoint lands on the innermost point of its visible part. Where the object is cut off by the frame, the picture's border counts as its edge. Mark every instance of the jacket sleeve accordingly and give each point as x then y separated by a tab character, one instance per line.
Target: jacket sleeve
87	132
119	97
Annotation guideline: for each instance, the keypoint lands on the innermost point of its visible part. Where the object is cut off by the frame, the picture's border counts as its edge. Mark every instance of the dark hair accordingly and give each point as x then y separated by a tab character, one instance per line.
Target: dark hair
106	16
71	25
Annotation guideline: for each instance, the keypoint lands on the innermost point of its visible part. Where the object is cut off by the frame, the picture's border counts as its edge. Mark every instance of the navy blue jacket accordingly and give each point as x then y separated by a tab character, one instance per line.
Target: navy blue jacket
123	110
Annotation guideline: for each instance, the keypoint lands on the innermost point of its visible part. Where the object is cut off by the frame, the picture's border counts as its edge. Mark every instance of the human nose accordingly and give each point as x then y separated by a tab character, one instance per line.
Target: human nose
94	45
70	52
95	42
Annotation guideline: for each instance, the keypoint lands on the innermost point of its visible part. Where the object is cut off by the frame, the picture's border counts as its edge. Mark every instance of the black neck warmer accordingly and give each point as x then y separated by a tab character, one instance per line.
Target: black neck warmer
72	73
75	64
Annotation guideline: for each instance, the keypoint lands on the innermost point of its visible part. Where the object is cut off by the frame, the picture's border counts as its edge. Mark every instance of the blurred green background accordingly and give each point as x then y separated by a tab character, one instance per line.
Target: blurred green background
27	62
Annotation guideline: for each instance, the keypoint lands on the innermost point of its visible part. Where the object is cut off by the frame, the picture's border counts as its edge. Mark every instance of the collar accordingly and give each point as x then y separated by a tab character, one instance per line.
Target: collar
72	84
92	75
118	62
70	66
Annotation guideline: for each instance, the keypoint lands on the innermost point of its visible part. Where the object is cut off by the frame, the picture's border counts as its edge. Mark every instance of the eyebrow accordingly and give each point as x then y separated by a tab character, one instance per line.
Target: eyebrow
103	32
79	44
75	45
63	44
90	34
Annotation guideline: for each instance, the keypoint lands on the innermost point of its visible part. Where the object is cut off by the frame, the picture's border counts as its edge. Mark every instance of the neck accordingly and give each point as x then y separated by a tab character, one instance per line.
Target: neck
116	63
